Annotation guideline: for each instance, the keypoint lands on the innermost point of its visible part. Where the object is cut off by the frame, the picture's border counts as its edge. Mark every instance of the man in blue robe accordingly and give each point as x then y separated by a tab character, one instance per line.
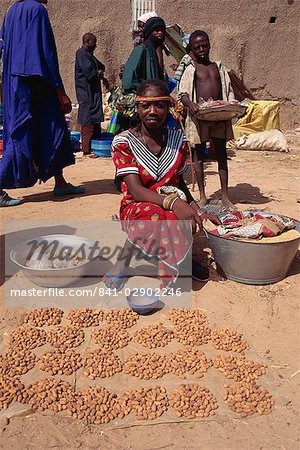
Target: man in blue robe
36	141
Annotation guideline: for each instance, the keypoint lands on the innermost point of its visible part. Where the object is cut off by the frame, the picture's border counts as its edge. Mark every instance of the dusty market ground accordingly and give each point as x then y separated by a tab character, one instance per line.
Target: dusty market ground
268	316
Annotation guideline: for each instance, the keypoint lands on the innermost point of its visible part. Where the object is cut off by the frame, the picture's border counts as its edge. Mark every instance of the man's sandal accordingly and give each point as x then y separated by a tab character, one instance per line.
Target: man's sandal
68	190
6	200
113	285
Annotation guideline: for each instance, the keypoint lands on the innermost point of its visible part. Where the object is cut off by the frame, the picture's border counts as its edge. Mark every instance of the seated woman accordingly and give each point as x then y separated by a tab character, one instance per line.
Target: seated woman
150	161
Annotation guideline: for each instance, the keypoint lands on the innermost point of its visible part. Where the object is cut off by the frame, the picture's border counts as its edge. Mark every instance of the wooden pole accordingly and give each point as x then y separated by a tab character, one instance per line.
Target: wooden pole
191	158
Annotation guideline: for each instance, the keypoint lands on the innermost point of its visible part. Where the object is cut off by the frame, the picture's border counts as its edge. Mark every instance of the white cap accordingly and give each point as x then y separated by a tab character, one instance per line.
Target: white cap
144	17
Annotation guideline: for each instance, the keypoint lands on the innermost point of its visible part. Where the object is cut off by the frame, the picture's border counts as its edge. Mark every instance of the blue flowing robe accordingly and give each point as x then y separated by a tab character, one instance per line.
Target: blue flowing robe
36	141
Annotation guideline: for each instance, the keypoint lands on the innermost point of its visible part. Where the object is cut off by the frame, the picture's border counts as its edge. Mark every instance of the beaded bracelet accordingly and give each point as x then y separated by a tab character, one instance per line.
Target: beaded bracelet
200	212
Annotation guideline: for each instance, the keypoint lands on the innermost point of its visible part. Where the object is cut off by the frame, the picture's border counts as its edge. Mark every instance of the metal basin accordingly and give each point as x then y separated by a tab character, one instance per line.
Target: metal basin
253	263
141	302
53	277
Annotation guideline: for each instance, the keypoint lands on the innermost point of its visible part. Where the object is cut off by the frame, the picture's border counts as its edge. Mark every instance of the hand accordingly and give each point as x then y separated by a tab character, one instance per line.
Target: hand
195	207
183	211
214	219
193	108
174	67
64	101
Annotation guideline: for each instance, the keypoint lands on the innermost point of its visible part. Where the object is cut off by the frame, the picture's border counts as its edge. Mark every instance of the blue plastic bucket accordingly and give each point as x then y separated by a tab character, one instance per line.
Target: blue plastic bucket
101	147
75	135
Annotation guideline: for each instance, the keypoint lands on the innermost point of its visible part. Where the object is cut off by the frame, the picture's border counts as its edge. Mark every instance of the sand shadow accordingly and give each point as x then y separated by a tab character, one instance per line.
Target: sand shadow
244	193
295	266
94	187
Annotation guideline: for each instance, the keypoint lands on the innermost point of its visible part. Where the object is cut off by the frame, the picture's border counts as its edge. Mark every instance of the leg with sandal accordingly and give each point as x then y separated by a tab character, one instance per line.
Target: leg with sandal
88	132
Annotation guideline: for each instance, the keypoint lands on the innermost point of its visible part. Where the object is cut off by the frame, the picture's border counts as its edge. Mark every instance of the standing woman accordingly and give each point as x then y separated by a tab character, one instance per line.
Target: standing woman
150	161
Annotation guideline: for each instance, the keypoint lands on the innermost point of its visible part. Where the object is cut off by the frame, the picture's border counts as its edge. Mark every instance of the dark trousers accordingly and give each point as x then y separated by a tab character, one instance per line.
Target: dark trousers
88	132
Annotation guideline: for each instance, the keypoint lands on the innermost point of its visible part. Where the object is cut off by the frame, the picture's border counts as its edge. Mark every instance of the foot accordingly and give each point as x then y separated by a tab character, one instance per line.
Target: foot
227	204
6	200
202	202
200	272
68	189
114	282
90	155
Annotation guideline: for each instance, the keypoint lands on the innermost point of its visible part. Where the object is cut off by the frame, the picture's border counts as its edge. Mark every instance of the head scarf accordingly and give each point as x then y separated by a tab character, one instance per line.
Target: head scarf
151	25
151	43
144	17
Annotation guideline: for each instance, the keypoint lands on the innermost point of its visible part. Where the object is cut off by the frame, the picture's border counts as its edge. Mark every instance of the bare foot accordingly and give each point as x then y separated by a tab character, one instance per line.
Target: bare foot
115	278
227	203
202	202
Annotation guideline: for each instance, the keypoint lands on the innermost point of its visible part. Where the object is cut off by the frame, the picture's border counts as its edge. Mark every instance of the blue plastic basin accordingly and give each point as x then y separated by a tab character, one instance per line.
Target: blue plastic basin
101	147
75	135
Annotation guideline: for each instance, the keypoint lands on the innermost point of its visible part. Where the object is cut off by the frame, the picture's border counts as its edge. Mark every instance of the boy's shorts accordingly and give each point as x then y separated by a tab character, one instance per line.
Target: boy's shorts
207	130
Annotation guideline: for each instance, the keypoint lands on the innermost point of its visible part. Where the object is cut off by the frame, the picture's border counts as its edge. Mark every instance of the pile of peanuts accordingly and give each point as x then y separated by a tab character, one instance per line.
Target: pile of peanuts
124	318
192	400
51	393
60	362
44	316
192	333
248	398
101	364
154	336
189	361
111	338
239	369
11	388
65	337
228	340
144	403
27	338
95	405
85	317
179	315
16	362
146	366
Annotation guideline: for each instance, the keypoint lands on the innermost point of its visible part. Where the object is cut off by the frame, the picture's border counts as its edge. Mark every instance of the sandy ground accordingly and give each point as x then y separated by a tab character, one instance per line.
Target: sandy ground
268	316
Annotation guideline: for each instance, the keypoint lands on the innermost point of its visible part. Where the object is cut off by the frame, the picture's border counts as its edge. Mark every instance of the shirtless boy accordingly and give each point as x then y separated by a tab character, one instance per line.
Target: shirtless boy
204	79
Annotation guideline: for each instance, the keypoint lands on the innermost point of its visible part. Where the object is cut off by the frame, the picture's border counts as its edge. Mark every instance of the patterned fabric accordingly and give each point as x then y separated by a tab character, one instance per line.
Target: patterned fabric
245	224
185	61
149	227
